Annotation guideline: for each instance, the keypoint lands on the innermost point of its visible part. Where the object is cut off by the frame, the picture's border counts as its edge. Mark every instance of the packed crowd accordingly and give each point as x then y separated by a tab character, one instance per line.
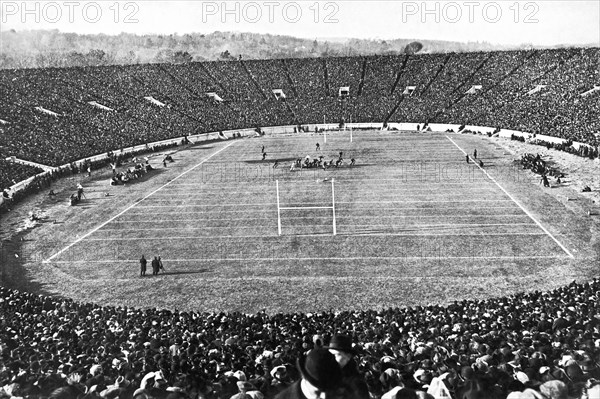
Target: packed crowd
542	344
11	173
55	116
43	180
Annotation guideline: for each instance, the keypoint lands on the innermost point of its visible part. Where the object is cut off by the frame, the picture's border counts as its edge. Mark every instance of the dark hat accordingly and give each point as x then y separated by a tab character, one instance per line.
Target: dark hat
320	369
574	372
342	343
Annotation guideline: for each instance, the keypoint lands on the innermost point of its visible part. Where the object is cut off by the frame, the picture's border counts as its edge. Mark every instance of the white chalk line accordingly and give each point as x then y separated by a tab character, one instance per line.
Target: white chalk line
349	234
516	202
361	192
349	217
308	204
415	226
131	206
366	180
262	211
116	261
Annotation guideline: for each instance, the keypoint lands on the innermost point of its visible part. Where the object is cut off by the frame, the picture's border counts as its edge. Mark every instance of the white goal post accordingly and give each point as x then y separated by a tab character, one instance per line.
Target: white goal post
332	207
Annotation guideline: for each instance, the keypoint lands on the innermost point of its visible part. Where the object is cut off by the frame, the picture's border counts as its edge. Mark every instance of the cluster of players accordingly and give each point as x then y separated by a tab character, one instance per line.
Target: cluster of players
135	172
313	162
538	166
132	173
74	198
479	161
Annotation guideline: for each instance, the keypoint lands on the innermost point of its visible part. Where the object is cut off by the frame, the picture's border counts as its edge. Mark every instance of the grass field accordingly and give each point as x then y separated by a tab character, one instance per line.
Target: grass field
414	224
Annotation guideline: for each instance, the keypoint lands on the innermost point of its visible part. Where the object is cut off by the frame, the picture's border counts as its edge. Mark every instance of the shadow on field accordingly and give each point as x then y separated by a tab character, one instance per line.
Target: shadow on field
200	147
12	272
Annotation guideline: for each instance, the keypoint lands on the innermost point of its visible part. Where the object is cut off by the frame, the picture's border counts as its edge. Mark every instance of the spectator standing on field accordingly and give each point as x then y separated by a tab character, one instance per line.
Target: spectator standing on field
155	266
143	263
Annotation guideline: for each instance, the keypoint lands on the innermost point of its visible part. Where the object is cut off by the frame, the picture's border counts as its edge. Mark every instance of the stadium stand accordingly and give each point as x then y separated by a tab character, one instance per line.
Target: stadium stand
534	345
11	173
77	129
540	341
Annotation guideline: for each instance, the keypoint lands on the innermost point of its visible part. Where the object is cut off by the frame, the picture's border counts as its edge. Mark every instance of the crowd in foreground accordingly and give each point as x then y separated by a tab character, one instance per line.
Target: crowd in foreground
529	345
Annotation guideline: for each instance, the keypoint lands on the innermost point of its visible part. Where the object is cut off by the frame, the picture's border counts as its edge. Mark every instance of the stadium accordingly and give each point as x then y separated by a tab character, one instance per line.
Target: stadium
430	240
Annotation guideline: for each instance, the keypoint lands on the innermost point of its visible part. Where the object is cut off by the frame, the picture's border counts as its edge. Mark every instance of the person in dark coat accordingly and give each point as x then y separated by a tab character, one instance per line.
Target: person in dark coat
321	377
155	266
354	383
143	263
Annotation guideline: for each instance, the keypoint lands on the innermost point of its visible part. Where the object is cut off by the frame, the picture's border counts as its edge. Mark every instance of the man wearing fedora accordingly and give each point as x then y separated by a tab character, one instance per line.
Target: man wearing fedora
321	377
354	384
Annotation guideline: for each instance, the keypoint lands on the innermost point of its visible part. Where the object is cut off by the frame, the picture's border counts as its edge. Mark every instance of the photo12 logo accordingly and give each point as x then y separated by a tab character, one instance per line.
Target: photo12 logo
29	12
270	11
470	11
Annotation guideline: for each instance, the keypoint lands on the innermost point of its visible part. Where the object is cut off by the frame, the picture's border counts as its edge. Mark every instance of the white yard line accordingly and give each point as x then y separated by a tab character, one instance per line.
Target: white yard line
260	210
289	217
269	181
184	195
349	234
270	204
117	261
305	207
131	206
516	202
420	226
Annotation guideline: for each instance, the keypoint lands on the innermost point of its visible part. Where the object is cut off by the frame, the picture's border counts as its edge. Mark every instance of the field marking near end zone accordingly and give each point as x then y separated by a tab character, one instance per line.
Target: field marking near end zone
358	233
132	205
349	234
516	202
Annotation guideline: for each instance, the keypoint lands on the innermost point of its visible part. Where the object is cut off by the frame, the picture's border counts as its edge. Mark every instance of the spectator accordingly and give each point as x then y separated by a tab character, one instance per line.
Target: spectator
321	377
354	384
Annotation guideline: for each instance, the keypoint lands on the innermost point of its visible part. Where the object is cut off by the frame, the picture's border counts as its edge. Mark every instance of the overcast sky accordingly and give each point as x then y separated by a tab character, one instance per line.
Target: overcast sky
503	22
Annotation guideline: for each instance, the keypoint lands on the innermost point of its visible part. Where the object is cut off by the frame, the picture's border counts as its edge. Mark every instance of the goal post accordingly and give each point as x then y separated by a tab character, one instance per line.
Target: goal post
278	209
332	207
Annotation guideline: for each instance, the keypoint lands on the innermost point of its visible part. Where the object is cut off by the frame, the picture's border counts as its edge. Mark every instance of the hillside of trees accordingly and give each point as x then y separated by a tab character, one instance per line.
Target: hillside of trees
52	48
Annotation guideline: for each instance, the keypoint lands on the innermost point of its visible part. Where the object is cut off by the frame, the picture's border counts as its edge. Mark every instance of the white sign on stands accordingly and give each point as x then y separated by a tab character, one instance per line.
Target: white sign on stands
98	105
46	111
155	101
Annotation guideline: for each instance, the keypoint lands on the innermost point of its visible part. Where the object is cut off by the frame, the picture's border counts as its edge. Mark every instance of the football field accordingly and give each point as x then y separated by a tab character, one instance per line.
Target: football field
411	222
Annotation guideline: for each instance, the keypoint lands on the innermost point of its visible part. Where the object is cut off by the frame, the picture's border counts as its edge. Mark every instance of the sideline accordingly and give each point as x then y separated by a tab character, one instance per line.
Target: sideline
516	202
132	205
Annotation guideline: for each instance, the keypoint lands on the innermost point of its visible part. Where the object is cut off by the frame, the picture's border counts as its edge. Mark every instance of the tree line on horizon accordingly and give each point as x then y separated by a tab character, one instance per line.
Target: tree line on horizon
52	48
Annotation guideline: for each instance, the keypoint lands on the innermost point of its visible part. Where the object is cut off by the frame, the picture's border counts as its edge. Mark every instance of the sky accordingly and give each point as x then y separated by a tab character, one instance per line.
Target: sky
510	22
